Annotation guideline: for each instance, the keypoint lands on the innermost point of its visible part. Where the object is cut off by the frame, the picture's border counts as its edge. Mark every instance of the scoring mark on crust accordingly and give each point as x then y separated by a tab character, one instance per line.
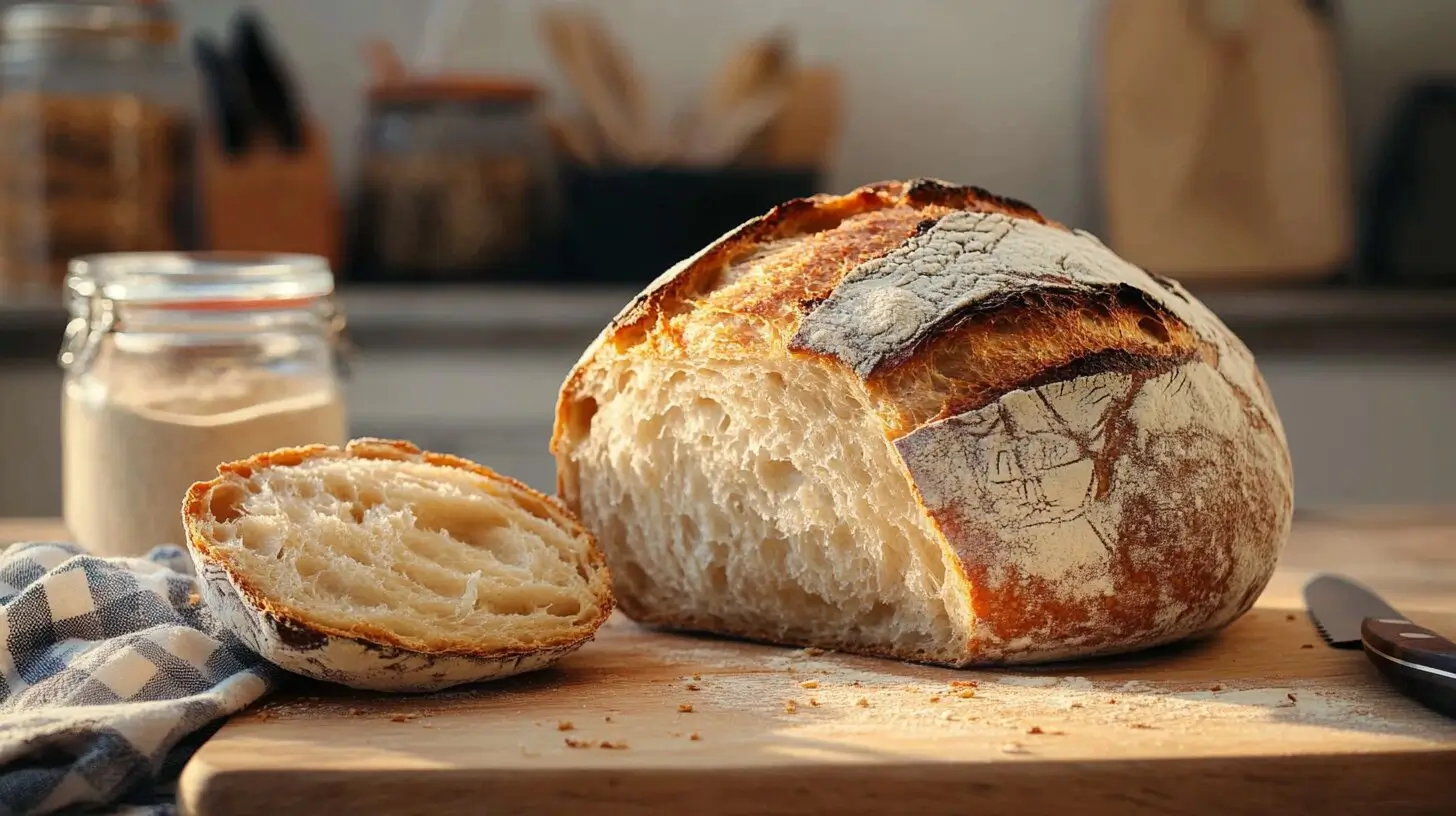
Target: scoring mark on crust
965	261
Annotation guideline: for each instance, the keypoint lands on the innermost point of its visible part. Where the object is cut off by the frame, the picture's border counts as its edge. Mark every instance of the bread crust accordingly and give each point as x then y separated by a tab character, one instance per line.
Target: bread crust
364	656
1095	448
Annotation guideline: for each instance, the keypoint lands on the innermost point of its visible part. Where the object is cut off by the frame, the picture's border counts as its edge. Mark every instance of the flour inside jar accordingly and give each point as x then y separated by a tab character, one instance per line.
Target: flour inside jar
131	453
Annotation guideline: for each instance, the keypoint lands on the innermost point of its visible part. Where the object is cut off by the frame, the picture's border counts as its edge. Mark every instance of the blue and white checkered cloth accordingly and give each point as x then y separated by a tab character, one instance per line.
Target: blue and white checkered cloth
112	674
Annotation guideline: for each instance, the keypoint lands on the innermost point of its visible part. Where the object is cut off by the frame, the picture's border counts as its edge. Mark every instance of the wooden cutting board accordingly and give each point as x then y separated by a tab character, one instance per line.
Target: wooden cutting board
1261	719
1224	150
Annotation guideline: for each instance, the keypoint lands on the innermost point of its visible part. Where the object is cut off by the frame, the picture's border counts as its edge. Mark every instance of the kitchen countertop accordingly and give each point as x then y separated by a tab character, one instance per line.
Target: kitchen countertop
1305	320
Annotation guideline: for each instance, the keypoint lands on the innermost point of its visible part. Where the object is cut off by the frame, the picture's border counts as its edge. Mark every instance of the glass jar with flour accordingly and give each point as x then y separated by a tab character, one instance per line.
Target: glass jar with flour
178	362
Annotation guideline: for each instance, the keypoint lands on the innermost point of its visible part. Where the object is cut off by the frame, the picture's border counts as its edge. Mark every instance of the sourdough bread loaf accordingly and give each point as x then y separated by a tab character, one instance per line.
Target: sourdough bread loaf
380	566
924	422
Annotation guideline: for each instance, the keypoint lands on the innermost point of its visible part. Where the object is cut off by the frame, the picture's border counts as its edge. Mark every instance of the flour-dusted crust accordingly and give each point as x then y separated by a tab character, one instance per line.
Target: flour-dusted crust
361	656
1096	450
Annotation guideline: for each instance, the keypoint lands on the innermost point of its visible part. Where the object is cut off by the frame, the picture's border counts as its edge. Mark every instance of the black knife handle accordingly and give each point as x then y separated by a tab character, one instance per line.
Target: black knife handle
1418	661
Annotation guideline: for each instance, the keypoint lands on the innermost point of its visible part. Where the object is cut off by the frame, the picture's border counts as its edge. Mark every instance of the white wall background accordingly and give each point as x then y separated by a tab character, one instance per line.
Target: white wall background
990	92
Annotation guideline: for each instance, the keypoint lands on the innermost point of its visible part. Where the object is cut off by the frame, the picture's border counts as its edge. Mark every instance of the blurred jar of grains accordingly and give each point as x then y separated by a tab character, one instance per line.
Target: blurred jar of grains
96	137
456	181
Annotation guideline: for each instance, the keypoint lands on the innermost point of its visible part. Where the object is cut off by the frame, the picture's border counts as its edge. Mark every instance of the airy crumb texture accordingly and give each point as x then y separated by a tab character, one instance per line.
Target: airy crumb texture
385	567
812	540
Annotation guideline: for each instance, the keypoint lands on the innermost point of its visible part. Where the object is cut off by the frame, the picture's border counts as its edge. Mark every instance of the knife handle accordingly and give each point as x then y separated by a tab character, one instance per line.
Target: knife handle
1418	661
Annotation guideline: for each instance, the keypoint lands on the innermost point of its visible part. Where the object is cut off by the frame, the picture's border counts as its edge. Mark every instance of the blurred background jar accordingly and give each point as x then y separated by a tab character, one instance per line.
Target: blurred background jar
96	124
175	362
456	181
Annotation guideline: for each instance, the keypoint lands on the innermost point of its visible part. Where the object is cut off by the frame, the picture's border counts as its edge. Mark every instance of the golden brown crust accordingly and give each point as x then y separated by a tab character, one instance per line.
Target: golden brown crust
803	276
799	251
1037	339
195	508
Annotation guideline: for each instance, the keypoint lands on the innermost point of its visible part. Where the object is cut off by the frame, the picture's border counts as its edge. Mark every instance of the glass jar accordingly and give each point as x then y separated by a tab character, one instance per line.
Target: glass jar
96	137
457	181
175	363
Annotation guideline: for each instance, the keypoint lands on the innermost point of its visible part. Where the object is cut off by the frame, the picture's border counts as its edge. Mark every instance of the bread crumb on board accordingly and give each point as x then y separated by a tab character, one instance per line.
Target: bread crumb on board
862	703
935	698
963	684
685	708
697	676
809	684
814	701
607	744
693	687
399	718
695	737
566	725
607	718
791	706
966	694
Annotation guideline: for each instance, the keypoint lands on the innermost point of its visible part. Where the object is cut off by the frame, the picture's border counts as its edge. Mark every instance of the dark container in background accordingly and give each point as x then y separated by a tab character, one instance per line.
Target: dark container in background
629	225
1412	205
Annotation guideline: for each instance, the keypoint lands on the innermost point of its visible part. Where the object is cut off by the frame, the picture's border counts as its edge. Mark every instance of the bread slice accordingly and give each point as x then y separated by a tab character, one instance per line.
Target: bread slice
383	567
925	422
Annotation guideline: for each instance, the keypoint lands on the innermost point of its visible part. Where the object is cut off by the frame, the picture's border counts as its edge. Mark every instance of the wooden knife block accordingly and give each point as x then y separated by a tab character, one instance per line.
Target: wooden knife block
269	200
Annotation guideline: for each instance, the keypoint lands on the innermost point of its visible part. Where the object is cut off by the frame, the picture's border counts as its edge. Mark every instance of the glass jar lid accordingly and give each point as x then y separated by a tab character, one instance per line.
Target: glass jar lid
200	280
100	289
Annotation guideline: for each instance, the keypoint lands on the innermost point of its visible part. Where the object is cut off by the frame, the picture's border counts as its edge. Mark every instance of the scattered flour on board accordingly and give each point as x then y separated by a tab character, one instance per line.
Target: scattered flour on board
1017	701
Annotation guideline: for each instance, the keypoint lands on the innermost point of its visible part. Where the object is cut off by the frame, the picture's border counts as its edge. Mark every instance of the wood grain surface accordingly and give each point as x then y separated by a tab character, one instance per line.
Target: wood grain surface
1262	718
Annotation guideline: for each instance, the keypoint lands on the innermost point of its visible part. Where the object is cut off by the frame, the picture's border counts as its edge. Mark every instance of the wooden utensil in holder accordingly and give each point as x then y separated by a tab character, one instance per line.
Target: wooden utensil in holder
268	199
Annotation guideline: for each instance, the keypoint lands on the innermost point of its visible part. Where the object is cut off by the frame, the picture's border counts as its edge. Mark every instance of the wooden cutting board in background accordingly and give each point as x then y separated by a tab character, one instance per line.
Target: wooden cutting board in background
1261	719
1224	149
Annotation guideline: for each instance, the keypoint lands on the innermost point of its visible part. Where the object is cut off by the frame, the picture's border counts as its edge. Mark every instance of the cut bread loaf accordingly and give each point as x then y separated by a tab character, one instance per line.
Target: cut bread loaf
922	421
383	567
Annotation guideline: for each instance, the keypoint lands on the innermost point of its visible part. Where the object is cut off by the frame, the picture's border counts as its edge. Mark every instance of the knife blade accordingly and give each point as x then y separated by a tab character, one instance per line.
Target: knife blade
225	95
1418	661
274	97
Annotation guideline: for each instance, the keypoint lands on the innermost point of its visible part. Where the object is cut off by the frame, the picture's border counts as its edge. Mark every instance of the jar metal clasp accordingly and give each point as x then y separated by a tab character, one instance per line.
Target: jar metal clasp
89	324
337	326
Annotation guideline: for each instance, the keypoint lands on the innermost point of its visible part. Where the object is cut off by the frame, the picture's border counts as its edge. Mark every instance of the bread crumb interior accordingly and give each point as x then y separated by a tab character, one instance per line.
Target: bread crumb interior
760	496
432	554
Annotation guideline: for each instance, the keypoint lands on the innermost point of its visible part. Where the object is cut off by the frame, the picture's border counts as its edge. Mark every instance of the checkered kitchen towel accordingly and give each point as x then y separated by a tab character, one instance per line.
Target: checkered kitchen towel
111	675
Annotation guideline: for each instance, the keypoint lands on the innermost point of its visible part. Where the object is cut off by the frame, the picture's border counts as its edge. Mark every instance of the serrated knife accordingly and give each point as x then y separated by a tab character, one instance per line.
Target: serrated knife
1419	662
